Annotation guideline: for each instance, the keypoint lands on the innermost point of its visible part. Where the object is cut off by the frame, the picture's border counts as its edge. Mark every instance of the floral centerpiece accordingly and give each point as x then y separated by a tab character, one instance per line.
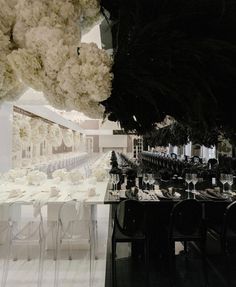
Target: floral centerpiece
75	176
60	173
36	177
100	174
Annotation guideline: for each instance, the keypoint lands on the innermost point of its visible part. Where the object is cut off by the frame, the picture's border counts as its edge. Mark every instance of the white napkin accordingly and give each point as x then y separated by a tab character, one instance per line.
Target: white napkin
40	200
14	193
38	204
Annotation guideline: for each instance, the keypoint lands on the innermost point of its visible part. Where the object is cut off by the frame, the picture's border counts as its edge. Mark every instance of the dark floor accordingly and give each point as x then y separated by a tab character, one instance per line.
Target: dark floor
131	271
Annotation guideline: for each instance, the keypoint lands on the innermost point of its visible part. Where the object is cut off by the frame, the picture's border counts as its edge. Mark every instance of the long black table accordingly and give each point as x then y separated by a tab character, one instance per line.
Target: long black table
158	214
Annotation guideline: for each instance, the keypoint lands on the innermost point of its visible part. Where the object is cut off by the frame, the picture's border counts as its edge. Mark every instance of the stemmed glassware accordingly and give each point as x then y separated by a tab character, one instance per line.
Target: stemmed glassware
145	180
194	181
229	179
115	178
223	180
188	179
151	180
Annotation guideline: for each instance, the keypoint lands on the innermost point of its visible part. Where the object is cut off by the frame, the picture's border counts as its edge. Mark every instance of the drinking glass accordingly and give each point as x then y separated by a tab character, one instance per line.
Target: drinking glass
194	181
229	178
188	179
223	180
115	179
145	180
151	180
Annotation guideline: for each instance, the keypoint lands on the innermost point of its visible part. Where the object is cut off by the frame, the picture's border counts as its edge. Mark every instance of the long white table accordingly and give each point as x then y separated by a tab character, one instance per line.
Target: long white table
41	195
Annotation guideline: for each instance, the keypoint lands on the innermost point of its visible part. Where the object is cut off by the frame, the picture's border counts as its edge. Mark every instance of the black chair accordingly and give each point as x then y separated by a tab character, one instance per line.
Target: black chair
227	235
186	225
129	226
173	155
212	162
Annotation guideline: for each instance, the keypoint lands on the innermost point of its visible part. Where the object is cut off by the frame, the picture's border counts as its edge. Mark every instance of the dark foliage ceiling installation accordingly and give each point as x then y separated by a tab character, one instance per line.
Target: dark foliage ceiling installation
177	58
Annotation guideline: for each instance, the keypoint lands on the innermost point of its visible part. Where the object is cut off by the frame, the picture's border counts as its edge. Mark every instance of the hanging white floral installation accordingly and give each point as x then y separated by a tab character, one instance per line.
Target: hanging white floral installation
54	135
40	45
67	136
39	130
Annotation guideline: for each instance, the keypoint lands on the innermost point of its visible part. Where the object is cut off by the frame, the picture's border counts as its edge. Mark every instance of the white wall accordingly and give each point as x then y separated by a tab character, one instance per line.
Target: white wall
113	141
6	136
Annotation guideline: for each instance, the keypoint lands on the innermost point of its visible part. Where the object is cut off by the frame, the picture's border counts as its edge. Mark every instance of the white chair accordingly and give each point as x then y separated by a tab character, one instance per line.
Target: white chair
72	228
25	228
4	229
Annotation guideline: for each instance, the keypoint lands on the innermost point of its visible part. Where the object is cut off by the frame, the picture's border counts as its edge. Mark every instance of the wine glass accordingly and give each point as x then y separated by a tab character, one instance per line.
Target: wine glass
115	179
151	179
223	180
194	181
229	178
188	179
145	180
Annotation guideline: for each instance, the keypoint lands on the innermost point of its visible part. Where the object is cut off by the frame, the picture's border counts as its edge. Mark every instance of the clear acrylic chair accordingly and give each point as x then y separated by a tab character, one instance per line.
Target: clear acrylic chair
75	225
4	229
26	228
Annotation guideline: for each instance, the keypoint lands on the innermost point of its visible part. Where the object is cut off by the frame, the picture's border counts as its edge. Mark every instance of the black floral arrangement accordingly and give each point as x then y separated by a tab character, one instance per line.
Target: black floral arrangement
177	58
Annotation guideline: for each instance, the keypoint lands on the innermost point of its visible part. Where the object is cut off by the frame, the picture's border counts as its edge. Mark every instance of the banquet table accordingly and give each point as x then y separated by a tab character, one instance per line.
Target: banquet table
40	195
158	211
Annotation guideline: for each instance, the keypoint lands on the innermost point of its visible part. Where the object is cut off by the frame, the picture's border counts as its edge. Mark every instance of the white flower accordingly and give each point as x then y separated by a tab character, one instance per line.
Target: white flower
24	131
75	176
68	138
61	173
28	67
46	35
100	174
10	87
54	135
7	15
36	177
16	142
13	174
39	130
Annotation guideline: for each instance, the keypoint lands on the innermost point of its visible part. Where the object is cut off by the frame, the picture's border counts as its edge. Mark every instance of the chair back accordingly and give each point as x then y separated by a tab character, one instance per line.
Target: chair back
26	220
74	219
130	217
173	155
229	226
186	219
212	162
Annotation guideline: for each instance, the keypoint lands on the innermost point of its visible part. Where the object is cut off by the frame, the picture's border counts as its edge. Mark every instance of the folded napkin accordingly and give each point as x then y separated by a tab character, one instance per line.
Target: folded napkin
213	193
159	194
210	194
14	193
38	204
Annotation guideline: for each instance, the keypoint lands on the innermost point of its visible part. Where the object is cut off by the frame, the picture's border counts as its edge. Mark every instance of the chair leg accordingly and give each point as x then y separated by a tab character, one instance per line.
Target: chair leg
227	262
53	242
147	261
91	253
96	240
41	261
7	259
204	263
113	263
171	255
28	246
185	247
57	262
